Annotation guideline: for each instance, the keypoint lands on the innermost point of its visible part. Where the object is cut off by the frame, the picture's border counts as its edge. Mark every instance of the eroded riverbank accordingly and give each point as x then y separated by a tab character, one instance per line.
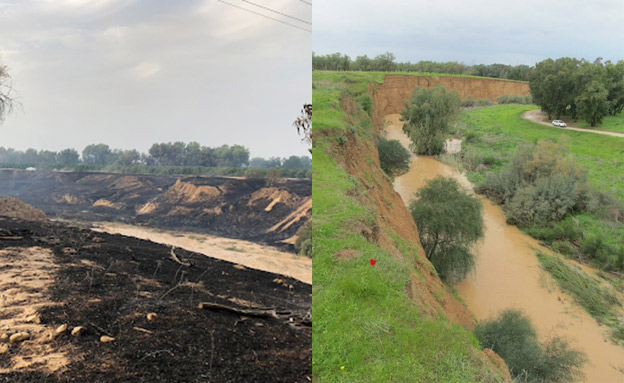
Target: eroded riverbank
508	275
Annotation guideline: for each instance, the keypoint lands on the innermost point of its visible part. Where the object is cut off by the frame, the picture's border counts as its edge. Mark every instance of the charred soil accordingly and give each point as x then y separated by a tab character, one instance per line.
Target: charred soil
258	329
247	209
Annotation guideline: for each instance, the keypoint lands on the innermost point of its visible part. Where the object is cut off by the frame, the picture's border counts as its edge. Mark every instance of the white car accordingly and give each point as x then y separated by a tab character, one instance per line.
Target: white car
559	123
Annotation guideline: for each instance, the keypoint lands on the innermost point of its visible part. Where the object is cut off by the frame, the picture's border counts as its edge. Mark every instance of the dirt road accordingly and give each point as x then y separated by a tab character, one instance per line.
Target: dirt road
541	118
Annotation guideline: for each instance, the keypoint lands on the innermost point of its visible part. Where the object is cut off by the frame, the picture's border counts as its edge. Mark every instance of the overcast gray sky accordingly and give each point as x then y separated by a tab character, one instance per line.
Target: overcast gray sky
473	32
129	73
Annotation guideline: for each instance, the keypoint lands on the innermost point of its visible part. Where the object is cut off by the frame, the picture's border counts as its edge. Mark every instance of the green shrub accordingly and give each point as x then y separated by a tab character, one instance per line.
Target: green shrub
471	137
549	199
393	157
513	337
468	102
484	102
449	222
303	243
500	187
366	103
514	99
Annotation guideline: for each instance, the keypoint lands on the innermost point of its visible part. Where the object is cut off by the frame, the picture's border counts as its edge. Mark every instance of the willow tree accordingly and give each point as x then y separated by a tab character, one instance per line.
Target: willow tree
428	117
449	222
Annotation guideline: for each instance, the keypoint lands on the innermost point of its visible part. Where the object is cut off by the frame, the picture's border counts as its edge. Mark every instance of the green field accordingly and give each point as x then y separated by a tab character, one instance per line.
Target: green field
609	123
492	134
366	328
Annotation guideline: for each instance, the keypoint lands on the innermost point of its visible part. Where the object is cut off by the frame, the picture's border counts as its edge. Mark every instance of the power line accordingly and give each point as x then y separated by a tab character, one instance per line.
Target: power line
268	17
303	1
278	12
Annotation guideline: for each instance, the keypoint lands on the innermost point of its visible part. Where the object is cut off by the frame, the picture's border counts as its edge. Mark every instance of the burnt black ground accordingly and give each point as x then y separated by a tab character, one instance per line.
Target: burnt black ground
132	277
237	217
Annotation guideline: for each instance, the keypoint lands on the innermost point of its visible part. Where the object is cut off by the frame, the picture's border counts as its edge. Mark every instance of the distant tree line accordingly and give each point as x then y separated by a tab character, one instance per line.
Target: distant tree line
386	63
578	88
176	154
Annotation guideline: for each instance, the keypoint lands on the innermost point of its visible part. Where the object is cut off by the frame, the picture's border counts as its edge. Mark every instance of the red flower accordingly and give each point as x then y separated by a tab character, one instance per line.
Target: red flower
373	262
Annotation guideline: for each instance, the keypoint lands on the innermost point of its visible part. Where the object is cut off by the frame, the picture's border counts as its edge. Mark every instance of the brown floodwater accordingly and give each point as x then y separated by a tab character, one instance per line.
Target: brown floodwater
508	275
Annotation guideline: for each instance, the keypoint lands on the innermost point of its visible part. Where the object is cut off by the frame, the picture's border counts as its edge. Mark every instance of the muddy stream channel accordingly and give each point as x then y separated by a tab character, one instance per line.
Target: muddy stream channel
508	275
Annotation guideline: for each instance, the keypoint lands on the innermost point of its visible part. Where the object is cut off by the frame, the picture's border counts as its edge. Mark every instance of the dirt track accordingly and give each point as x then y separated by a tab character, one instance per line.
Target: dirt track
108	283
541	118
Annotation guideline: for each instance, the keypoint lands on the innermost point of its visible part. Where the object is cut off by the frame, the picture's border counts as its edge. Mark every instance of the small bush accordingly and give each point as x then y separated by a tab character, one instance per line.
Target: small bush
484	102
393	157
471	137
468	102
303	243
514	99
366	103
513	337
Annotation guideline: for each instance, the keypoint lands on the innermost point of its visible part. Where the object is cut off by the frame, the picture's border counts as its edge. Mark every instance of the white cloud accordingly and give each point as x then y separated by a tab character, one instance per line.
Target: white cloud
146	69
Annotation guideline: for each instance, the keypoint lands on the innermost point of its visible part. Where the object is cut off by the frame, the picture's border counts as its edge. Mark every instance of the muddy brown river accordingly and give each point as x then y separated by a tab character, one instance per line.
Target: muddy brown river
508	275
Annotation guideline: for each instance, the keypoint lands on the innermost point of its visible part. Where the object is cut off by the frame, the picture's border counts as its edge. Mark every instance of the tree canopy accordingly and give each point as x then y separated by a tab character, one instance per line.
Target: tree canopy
582	89
386	62
449	222
428	116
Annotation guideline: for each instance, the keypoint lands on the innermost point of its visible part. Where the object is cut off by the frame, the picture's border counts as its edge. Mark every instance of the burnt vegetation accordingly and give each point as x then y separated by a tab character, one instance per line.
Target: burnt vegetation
109	283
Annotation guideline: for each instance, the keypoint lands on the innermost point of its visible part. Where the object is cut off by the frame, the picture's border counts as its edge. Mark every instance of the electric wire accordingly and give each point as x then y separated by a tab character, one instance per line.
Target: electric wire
278	12
260	14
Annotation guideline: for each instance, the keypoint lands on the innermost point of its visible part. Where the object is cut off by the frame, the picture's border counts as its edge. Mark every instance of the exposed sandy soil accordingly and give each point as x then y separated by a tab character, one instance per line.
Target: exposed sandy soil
542	118
13	207
25	274
389	97
508	275
109	283
249	254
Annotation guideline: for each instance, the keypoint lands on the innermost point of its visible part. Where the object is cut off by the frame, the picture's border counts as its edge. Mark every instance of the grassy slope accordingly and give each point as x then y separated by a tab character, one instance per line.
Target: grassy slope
366	329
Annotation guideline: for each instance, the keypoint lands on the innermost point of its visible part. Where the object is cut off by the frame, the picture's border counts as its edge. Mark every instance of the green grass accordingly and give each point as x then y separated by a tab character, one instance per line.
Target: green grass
609	123
366	328
600	301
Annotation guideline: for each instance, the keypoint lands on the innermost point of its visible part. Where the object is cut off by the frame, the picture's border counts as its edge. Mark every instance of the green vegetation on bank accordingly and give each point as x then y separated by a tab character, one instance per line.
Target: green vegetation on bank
512	336
366	328
599	300
492	135
394	159
386	63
